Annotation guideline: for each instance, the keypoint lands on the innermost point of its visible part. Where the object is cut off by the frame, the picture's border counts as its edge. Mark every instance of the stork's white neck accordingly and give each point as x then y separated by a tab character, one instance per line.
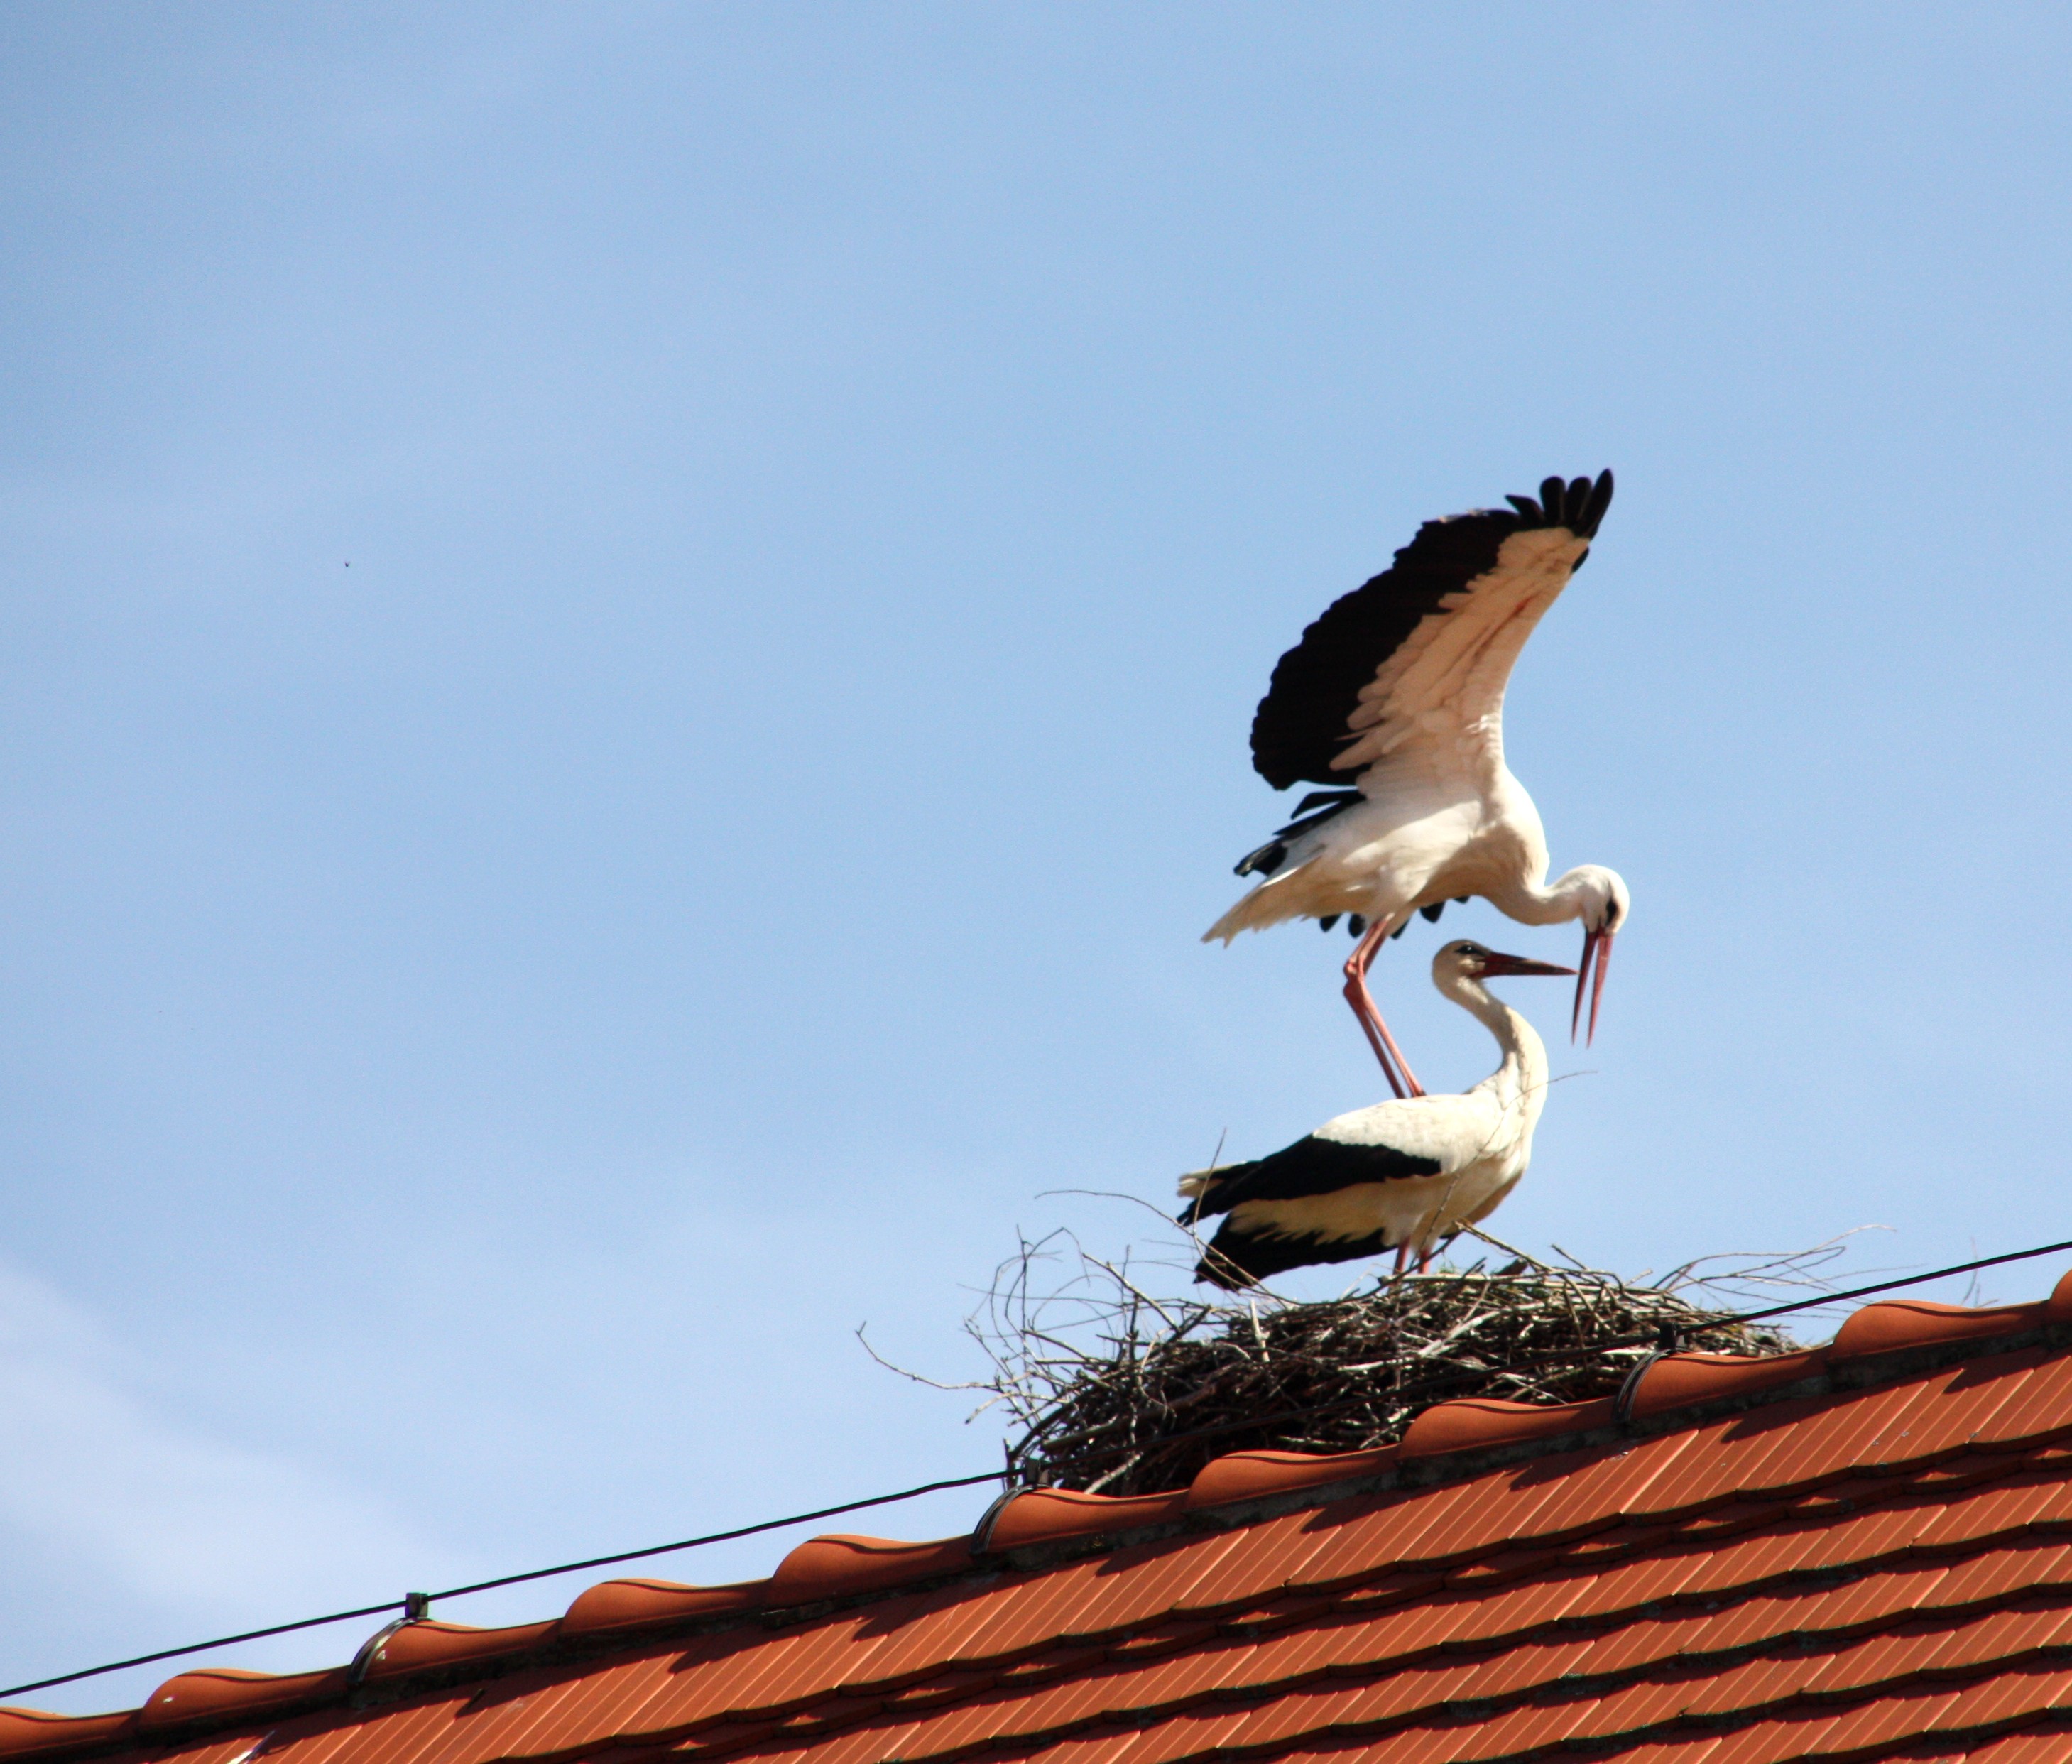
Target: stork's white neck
1570	896
1523	1076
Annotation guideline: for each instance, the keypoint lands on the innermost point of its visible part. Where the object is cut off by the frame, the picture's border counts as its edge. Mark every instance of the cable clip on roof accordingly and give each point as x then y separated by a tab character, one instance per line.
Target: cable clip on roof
417	1607
1667	1342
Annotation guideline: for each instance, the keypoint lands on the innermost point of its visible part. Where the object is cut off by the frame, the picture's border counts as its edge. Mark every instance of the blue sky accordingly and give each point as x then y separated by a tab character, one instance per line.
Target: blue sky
629	633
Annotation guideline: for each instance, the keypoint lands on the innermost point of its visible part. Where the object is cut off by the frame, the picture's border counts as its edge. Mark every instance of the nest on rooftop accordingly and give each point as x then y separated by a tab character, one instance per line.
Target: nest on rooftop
1114	1391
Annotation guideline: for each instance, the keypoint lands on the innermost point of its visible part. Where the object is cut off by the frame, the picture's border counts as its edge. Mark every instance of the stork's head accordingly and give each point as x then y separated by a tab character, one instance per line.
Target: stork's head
1464	958
1597	896
1602	902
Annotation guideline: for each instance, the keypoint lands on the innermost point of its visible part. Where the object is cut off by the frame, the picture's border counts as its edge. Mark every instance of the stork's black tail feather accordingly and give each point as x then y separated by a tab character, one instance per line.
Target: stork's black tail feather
1270	857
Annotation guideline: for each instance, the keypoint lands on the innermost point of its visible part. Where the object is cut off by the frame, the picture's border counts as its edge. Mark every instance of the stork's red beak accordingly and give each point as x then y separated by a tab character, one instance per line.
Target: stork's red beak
1597	945
1495	966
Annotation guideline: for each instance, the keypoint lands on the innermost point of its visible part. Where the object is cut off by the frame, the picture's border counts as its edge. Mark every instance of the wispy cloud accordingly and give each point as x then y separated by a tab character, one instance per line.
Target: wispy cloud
194	1525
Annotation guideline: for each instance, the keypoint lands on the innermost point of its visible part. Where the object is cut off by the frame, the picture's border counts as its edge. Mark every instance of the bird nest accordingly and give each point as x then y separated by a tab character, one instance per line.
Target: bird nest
1113	1391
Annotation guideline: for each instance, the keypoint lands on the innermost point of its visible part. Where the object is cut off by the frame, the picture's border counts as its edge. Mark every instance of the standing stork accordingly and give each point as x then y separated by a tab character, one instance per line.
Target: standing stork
1398	688
1401	1175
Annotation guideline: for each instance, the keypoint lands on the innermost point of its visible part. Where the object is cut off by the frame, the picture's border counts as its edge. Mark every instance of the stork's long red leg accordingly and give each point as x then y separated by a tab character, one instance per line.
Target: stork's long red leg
1362	1001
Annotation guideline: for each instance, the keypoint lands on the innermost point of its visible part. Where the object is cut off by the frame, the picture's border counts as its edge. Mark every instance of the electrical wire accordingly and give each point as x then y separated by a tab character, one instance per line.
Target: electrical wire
994	1476
506	1580
1911	1280
721	1537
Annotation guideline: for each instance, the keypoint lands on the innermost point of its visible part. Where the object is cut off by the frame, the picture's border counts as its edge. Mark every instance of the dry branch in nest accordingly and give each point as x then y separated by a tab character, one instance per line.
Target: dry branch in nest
1114	1391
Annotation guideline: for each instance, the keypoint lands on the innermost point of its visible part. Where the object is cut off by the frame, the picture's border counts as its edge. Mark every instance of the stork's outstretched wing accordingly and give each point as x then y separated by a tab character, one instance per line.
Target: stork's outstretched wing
1426	647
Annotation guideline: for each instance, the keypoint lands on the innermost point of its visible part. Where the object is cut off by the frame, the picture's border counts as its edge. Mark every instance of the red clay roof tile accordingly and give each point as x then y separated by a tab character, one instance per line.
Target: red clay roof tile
416	1646
2039	1748
1885	1721
616	1604
2044	1494
1185	1574
1043	1515
1896	1323
842	1567
2016	1409
1477	1423
1772	1742
2021	1566
1707	1749
214	1691
1681	1379
1251	1475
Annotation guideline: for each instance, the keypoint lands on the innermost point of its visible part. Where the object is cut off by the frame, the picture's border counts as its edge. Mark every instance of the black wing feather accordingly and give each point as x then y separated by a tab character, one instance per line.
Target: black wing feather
1309	1166
1272	855
1599	499
1300	727
1237	1260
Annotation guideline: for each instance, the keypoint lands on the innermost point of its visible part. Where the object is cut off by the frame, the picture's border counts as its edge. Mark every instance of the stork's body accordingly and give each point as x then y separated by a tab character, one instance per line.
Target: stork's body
1428	828
1398	688
1403	1175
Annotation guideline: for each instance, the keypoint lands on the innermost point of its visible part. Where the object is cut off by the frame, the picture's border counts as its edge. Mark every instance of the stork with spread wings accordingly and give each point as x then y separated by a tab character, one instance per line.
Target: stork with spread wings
1396	694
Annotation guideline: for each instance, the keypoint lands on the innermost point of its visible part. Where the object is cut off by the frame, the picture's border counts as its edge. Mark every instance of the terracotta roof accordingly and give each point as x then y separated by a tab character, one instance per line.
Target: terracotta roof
1860	1551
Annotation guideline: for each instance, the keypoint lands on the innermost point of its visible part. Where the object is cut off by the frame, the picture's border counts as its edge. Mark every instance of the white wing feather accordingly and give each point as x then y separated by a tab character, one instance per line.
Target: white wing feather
1447	679
1453	1130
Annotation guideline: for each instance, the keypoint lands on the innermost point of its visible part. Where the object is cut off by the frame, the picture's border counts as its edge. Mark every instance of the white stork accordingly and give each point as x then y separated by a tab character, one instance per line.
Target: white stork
1398	688
1401	1175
